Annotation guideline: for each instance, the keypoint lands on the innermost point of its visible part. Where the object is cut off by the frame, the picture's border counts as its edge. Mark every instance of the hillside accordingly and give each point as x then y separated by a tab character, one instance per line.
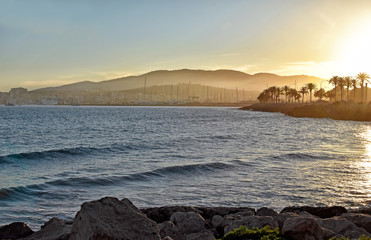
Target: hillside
218	78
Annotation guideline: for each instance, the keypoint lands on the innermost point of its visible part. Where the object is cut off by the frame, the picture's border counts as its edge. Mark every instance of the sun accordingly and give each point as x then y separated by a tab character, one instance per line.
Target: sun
354	51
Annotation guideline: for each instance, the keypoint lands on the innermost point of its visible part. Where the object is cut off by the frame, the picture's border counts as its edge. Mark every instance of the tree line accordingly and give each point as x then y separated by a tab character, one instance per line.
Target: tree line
273	94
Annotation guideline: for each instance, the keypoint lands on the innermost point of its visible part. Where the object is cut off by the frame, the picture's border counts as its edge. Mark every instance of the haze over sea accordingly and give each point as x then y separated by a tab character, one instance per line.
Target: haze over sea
52	159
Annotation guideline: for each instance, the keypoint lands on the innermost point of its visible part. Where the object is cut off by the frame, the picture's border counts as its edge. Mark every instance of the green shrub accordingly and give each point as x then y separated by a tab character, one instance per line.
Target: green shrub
243	233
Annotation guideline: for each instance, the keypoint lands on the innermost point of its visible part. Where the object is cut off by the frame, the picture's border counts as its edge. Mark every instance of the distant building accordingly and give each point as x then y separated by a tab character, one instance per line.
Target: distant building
3	97
18	96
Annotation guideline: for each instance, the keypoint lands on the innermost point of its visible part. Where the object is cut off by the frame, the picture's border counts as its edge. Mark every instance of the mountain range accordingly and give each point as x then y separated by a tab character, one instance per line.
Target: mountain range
218	78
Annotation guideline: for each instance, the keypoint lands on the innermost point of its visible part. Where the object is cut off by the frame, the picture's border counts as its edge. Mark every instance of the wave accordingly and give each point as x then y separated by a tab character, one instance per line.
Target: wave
63	152
302	156
184	170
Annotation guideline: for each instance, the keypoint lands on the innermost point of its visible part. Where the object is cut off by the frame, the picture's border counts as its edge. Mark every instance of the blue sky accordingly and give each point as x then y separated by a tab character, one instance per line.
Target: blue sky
47	43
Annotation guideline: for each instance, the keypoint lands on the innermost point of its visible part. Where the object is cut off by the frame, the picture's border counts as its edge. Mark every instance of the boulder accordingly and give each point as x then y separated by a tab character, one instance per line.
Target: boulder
266	212
110	218
248	221
15	230
322	212
163	214
360	220
343	227
282	217
188	222
168	229
203	235
210	212
52	230
217	221
302	228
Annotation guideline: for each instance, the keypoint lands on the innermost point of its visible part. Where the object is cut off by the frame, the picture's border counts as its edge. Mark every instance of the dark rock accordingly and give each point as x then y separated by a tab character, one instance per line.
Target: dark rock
266	212
15	230
203	235
217	221
302	228
210	212
163	214
360	220
322	212
188	222
54	229
169	229
109	218
343	227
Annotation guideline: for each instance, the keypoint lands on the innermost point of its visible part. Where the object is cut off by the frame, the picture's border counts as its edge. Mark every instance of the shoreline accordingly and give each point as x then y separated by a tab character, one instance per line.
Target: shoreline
111	218
335	111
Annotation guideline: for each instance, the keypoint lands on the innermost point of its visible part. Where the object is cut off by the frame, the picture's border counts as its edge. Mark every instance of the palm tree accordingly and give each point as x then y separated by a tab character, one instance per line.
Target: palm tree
303	90
278	92
362	77
348	84
329	94
341	84
354	83
286	90
320	93
292	94
311	87
272	92
334	80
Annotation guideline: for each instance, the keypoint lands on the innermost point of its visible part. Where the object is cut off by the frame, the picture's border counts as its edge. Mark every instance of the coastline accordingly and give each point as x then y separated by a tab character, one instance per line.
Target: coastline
111	218
336	111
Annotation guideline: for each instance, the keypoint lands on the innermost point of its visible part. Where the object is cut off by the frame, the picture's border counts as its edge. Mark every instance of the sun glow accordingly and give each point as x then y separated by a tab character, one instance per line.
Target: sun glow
354	51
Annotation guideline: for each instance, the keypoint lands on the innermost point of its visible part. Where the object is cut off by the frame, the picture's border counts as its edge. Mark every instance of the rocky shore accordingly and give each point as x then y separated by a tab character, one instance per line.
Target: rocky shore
111	219
336	111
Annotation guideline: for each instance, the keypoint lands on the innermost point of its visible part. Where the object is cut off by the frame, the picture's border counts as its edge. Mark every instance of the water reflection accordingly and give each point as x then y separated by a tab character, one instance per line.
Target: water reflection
364	164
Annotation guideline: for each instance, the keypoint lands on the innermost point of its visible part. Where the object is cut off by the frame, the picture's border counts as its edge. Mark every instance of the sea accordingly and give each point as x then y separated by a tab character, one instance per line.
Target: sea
54	158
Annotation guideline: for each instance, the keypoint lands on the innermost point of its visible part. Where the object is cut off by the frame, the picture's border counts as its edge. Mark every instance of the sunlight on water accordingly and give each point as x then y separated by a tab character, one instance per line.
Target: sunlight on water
364	164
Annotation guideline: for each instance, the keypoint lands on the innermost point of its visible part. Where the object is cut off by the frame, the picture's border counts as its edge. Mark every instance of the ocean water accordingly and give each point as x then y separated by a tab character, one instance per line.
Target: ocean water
52	159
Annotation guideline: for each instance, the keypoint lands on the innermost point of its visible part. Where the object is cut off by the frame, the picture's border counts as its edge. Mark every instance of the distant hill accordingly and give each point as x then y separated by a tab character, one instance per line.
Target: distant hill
217	78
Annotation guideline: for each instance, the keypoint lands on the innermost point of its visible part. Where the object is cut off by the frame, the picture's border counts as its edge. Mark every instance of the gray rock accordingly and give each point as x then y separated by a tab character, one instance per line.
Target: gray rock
188	222
343	227
266	212
248	221
282	217
217	221
109	218
168	229
302	228
15	230
203	235
52	230
360	220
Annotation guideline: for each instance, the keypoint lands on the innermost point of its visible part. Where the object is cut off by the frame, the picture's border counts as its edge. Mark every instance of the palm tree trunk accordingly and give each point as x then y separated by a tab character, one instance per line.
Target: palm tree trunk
335	92
354	100
347	94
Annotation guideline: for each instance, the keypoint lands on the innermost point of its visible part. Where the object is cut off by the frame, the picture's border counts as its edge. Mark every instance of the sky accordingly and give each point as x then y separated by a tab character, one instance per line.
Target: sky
53	42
